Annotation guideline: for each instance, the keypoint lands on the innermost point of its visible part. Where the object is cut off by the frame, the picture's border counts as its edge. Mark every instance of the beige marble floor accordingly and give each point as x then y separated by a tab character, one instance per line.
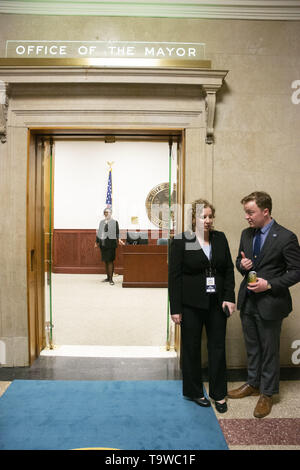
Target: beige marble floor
285	405
279	426
3	387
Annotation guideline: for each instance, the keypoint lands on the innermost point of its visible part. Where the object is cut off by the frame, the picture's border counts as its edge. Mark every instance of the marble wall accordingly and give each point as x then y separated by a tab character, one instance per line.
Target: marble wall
256	145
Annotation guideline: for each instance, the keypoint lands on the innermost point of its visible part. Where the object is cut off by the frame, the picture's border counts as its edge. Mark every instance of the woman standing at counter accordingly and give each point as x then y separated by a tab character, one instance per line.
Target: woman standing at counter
107	239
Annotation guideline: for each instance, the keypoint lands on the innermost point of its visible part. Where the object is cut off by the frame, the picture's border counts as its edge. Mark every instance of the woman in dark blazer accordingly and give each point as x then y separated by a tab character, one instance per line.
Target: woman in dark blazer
201	289
107	239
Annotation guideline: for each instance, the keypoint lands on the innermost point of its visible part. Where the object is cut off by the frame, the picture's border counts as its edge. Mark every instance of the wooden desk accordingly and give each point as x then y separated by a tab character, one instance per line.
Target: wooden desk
145	266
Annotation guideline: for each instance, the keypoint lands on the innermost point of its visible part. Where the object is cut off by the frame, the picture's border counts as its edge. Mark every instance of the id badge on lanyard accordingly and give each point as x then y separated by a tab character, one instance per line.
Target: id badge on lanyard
210	282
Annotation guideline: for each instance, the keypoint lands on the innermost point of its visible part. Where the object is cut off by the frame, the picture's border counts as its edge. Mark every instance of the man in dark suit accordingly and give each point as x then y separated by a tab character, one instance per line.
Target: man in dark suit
274	253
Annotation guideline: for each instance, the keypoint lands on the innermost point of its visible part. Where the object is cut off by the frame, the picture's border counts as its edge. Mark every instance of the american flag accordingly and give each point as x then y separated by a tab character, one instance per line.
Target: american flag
109	191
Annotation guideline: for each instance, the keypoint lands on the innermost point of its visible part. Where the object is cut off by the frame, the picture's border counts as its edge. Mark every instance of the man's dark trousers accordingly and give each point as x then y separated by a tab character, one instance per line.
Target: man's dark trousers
262	339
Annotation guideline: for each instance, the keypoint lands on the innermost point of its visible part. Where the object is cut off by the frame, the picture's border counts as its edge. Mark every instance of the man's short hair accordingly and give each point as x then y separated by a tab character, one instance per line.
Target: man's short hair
262	199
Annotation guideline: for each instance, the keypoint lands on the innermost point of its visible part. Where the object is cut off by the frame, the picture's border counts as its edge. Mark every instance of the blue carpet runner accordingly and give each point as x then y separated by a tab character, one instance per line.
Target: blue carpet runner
125	415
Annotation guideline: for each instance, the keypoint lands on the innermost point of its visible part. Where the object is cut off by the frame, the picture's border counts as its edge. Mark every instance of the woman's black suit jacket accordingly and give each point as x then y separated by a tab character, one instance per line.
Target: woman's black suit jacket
108	234
187	271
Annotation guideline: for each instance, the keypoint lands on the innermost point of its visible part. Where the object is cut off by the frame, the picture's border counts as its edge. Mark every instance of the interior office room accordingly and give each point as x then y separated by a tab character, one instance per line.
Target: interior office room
174	101
81	170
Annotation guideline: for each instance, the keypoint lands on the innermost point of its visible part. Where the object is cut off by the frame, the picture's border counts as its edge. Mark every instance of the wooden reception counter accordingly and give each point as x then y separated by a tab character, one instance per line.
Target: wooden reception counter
145	266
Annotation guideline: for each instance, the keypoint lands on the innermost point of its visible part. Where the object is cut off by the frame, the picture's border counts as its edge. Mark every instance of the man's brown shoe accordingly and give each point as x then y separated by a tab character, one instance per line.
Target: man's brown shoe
263	406
245	390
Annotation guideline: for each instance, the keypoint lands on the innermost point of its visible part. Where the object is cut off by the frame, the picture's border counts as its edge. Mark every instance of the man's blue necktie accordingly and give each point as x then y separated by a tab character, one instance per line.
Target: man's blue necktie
257	244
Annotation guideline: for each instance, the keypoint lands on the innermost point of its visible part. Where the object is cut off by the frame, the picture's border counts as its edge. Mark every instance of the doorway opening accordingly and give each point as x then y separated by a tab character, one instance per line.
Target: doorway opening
68	172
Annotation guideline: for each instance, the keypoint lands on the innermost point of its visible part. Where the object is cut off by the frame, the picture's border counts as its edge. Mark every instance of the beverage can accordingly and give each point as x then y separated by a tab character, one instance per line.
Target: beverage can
252	277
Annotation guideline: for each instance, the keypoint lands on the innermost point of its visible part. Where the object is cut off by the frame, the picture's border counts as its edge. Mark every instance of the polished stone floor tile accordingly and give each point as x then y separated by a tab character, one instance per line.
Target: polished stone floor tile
268	431
82	368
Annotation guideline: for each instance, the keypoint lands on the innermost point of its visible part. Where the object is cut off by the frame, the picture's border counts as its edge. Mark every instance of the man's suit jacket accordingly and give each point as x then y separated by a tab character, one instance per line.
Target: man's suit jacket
278	263
187	271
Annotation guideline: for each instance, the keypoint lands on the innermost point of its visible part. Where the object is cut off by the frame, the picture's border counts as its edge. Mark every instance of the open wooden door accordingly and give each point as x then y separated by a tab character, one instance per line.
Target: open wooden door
47	262
39	180
32	248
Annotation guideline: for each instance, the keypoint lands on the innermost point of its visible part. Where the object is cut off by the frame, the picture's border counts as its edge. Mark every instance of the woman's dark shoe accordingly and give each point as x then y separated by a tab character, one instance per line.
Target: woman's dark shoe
202	401
221	407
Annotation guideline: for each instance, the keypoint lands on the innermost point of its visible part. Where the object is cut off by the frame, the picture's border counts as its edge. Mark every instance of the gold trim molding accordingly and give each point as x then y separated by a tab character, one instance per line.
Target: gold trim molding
105	62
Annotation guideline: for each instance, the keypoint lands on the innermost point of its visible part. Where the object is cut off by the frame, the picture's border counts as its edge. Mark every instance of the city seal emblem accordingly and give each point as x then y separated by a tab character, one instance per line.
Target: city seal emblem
157	205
